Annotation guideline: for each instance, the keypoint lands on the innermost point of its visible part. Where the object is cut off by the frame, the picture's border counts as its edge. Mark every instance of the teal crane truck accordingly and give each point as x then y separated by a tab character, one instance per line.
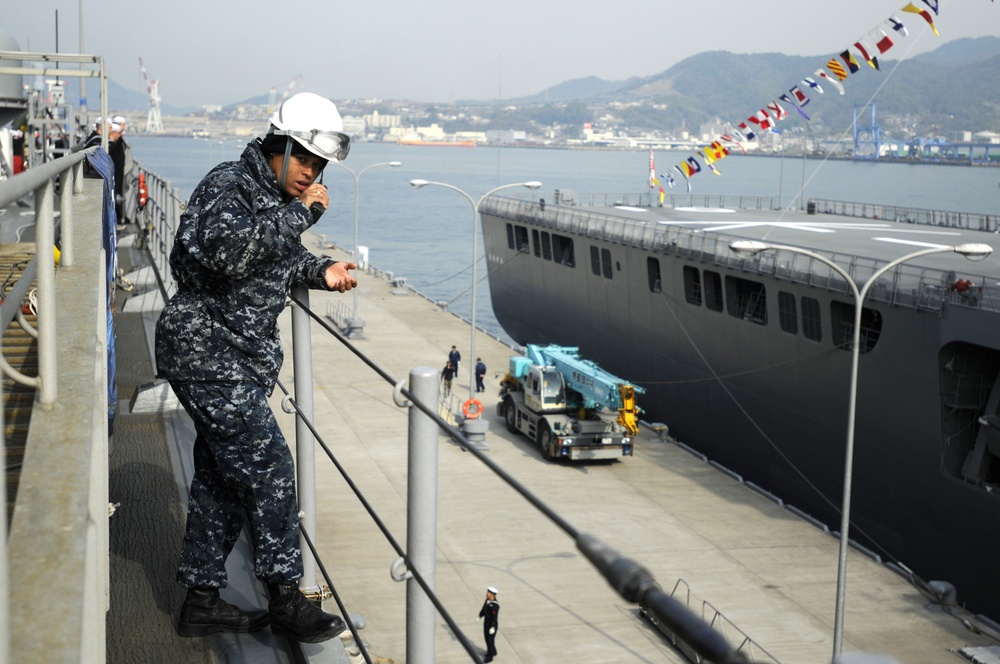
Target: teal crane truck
569	406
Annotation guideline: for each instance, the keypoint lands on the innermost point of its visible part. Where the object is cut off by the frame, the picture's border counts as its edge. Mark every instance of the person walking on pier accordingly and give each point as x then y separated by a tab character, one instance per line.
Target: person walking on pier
489	612
454	357
480	375
447	374
236	253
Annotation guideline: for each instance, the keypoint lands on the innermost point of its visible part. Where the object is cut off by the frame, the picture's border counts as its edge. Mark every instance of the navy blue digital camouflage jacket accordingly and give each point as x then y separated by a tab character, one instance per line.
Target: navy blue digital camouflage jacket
236	254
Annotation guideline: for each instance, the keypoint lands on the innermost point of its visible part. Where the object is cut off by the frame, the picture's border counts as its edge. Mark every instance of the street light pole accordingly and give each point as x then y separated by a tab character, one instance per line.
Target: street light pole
357	325
475	213
752	248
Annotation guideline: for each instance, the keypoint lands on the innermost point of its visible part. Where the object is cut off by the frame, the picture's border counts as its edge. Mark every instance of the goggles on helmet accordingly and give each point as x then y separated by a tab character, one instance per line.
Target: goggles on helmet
330	145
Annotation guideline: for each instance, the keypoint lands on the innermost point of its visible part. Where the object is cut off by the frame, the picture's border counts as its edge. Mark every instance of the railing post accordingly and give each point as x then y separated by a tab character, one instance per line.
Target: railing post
66	218
421	517
46	279
305	456
78	177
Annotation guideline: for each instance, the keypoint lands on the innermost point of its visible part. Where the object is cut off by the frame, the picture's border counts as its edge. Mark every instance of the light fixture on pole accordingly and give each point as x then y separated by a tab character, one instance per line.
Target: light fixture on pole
475	213
752	248
356	326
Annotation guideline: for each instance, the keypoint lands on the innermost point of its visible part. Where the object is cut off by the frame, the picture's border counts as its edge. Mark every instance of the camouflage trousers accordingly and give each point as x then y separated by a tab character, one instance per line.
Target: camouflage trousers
243	475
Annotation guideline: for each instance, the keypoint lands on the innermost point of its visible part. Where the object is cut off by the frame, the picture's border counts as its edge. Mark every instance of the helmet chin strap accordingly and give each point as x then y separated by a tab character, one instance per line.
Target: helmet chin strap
284	167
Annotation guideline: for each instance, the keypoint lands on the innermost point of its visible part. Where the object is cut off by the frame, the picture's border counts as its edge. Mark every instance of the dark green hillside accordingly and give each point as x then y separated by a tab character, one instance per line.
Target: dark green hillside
950	89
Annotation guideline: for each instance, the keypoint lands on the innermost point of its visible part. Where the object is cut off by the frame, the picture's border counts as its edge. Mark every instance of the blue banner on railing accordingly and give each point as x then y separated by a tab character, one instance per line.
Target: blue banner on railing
101	163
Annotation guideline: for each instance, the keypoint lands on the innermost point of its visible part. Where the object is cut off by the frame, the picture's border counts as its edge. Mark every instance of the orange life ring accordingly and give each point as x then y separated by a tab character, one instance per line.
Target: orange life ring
467	406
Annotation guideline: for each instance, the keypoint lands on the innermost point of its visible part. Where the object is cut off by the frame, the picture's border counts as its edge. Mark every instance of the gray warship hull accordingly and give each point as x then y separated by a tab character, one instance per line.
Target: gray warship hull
748	360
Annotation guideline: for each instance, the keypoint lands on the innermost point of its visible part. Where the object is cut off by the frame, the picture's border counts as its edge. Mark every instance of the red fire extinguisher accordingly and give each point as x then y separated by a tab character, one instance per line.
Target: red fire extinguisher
143	195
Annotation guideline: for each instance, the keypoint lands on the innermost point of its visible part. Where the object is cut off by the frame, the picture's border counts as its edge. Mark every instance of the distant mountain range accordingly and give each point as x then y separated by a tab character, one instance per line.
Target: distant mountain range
953	87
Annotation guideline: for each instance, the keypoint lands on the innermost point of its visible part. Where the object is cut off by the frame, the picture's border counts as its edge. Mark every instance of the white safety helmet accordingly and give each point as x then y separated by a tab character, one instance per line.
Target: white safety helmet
314	123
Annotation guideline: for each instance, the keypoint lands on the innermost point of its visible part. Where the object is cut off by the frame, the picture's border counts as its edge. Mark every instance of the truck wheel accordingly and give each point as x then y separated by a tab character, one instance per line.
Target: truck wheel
545	441
510	414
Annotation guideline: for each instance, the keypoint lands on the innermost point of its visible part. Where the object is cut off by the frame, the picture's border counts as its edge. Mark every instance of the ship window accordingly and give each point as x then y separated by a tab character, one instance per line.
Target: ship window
521	238
692	285
788	315
842	322
747	300
653	274
536	243
563	250
595	260
546	246
606	262
713	290
510	236
812	323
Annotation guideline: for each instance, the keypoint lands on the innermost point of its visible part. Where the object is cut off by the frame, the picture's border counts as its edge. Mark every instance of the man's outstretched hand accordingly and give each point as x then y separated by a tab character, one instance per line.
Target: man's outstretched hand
339	277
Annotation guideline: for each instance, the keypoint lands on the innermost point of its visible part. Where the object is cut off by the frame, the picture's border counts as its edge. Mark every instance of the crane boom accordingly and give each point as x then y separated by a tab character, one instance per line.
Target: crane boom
599	388
274	102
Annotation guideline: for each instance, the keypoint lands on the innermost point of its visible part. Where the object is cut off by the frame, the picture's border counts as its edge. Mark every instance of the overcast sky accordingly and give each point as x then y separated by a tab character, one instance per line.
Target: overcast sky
222	51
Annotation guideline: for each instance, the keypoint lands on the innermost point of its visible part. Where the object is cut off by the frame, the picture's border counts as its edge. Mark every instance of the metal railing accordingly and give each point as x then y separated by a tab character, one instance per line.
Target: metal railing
158	222
648	199
907	215
41	183
907	285
715	618
62	496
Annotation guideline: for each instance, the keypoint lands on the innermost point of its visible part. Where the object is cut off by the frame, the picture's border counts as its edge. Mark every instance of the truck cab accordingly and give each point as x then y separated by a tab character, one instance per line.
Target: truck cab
545	389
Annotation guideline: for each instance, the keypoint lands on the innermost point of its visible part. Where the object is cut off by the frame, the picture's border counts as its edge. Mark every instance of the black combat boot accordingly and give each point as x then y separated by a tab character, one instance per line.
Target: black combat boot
294	616
204	612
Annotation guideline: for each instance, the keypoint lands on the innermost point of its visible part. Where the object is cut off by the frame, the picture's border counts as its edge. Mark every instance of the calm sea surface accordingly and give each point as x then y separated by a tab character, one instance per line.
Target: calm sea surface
425	234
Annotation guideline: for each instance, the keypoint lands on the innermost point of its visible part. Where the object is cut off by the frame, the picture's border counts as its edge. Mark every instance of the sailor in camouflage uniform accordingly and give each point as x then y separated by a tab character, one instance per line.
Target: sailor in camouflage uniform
236	254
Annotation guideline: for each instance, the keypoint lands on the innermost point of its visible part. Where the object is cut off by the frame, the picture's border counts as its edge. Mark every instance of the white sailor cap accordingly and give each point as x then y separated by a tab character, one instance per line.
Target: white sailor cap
491	589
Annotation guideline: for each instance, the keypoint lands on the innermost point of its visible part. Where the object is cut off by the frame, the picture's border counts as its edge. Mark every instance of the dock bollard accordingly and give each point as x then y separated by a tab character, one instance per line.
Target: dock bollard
475	431
355	328
661	429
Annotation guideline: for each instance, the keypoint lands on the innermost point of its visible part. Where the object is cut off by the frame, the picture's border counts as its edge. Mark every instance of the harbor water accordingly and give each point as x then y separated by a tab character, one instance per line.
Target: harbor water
425	235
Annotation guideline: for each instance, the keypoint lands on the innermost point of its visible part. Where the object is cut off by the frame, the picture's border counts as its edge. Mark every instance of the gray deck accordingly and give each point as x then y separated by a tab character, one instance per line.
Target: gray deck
881	239
768	571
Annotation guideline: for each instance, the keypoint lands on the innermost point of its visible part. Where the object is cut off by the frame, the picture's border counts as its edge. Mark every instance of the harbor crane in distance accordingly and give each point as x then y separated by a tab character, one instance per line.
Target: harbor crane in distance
273	102
154	121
